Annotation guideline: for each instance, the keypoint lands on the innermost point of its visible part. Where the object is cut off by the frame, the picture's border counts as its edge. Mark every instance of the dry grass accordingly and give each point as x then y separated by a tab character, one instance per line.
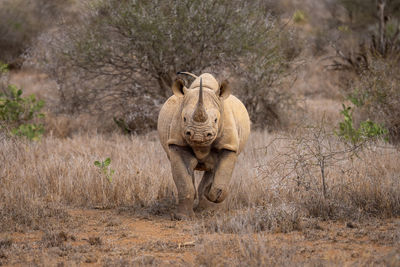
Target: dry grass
62	171
281	218
264	250
54	172
40	179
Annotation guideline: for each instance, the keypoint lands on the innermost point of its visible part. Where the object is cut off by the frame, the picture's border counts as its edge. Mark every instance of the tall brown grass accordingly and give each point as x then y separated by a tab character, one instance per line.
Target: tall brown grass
47	176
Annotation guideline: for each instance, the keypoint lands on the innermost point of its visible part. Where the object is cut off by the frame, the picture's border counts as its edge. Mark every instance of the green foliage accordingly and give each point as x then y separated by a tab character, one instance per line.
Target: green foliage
122	125
367	130
31	131
18	115
370	129
357	98
3	68
343	28
299	16
376	94
372	53
105	169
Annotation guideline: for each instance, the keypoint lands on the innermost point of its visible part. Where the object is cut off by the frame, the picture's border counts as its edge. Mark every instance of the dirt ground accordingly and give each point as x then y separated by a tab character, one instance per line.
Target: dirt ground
95	237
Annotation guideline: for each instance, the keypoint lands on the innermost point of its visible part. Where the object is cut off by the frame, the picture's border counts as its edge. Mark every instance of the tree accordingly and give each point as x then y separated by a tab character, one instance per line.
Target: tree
126	53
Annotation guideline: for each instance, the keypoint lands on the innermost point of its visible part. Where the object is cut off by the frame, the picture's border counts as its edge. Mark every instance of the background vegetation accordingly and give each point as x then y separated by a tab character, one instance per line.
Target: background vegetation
81	84
123	56
21	23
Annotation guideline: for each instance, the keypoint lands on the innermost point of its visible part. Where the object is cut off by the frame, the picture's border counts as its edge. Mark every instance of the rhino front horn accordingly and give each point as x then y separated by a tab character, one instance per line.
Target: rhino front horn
200	114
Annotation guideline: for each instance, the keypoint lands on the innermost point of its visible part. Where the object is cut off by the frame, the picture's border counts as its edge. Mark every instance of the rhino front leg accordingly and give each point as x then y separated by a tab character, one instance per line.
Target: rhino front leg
223	174
182	165
204	185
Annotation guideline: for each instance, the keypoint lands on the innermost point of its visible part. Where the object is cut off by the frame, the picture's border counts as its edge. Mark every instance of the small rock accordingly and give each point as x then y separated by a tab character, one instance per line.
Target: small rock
350	225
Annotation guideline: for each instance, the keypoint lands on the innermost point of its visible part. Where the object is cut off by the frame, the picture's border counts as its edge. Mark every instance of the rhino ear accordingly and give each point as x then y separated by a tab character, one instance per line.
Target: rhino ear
179	88
224	90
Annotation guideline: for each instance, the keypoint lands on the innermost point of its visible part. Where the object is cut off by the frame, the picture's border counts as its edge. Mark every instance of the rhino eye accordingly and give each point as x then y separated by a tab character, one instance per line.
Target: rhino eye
184	119
215	120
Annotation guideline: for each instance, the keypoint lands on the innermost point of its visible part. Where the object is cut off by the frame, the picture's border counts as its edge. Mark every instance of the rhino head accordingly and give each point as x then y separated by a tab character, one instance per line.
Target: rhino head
201	109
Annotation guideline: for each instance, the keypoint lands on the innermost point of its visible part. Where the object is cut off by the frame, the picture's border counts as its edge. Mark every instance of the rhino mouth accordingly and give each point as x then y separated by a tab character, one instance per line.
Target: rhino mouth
200	142
199	138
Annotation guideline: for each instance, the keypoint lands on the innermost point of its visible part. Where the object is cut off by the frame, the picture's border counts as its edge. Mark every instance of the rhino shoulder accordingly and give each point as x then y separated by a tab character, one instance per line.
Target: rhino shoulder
236	126
169	123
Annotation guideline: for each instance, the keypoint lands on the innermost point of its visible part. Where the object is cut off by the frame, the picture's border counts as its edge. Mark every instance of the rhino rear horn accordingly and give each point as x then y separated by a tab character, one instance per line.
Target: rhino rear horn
187	73
200	114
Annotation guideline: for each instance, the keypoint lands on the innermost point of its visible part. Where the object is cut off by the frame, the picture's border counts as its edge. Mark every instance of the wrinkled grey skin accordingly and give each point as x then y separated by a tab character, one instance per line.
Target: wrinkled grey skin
202	128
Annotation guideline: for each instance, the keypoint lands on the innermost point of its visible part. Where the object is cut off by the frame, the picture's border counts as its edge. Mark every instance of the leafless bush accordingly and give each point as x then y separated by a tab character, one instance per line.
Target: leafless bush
120	59
54	239
330	179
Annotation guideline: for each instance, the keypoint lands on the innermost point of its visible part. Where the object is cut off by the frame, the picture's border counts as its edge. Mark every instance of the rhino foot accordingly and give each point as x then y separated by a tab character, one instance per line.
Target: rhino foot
206	205
216	194
184	211
178	216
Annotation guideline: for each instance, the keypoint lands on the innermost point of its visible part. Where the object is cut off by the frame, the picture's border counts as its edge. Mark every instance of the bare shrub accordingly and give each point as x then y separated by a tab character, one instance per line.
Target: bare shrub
54	239
290	170
120	59
329	179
